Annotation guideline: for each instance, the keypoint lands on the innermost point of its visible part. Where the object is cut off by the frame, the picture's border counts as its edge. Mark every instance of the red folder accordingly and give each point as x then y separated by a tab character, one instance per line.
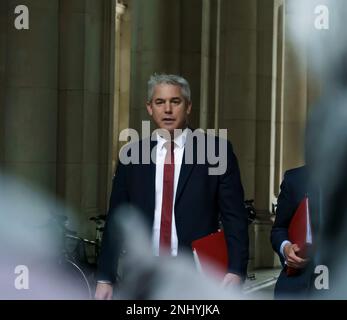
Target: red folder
298	232
212	251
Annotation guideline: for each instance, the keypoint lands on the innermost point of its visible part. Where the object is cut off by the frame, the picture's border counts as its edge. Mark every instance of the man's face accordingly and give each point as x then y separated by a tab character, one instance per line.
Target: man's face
168	107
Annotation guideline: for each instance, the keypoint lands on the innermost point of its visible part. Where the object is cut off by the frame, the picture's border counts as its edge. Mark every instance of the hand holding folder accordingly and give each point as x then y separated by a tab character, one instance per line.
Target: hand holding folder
299	232
211	251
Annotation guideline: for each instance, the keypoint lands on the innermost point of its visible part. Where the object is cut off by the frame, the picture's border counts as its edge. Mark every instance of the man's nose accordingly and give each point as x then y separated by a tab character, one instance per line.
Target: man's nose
168	107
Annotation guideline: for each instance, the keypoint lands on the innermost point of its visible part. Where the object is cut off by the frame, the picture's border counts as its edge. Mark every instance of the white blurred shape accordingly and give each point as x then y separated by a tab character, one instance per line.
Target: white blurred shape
31	239
148	277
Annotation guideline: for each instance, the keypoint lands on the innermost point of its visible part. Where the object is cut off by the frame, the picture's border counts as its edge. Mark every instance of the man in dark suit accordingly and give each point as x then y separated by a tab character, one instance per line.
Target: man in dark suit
293	189
179	198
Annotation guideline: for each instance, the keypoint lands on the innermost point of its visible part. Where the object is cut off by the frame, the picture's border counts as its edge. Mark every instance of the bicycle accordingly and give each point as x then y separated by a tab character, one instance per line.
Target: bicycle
252	214
99	229
73	257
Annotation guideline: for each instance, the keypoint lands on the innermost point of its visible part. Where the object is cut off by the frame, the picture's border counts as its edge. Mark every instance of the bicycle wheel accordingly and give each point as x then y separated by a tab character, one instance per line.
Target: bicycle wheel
78	286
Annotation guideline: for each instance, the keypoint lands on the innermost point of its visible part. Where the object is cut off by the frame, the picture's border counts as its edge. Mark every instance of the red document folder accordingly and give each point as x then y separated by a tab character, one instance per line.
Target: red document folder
299	232
212	251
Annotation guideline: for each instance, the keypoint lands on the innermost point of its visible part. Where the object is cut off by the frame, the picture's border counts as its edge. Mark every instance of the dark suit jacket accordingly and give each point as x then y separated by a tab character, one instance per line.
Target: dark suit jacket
201	199
293	189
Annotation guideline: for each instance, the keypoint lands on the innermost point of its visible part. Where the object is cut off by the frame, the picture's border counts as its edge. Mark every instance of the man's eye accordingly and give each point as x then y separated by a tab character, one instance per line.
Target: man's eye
176	101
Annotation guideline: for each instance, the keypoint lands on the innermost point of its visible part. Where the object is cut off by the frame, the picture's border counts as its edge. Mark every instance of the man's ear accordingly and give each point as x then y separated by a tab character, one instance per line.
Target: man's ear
189	107
149	108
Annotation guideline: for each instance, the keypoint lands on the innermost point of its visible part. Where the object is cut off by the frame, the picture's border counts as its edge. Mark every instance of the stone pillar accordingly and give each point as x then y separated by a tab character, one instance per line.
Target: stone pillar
29	97
237	108
295	94
237	90
3	55
85	107
267	30
122	69
278	174
156	48
217	70
248	72
166	37
210	68
190	52
205	63
56	100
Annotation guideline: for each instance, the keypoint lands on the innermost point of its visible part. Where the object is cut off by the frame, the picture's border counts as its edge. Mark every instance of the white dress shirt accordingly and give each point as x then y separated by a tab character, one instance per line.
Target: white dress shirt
159	176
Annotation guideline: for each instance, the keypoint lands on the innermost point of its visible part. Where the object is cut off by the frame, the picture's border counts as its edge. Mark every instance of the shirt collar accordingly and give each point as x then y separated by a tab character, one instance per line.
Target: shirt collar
180	140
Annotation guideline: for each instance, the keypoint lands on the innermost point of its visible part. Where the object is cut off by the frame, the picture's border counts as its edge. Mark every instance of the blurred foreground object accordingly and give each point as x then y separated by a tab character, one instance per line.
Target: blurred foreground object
147	277
326	139
31	264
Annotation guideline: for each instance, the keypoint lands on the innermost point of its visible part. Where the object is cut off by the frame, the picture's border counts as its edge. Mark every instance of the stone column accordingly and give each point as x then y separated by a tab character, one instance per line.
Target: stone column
156	47
190	52
267	36
210	55
29	96
295	94
166	37
237	104
122	69
85	107
3	55
278	174
248	101
205	63
237	89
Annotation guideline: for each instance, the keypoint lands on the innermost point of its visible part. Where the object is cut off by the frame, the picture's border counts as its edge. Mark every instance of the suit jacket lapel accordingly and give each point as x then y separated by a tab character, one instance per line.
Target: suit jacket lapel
151	184
147	182
186	169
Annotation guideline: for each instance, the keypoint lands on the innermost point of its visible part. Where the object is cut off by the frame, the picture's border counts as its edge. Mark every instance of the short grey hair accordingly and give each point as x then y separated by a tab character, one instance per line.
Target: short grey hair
172	79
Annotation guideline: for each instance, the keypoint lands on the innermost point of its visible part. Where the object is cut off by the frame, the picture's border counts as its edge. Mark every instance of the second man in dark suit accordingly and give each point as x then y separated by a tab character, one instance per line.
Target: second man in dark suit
294	188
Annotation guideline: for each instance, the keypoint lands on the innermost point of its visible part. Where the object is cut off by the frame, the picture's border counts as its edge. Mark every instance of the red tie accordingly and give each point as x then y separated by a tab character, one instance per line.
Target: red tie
167	201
